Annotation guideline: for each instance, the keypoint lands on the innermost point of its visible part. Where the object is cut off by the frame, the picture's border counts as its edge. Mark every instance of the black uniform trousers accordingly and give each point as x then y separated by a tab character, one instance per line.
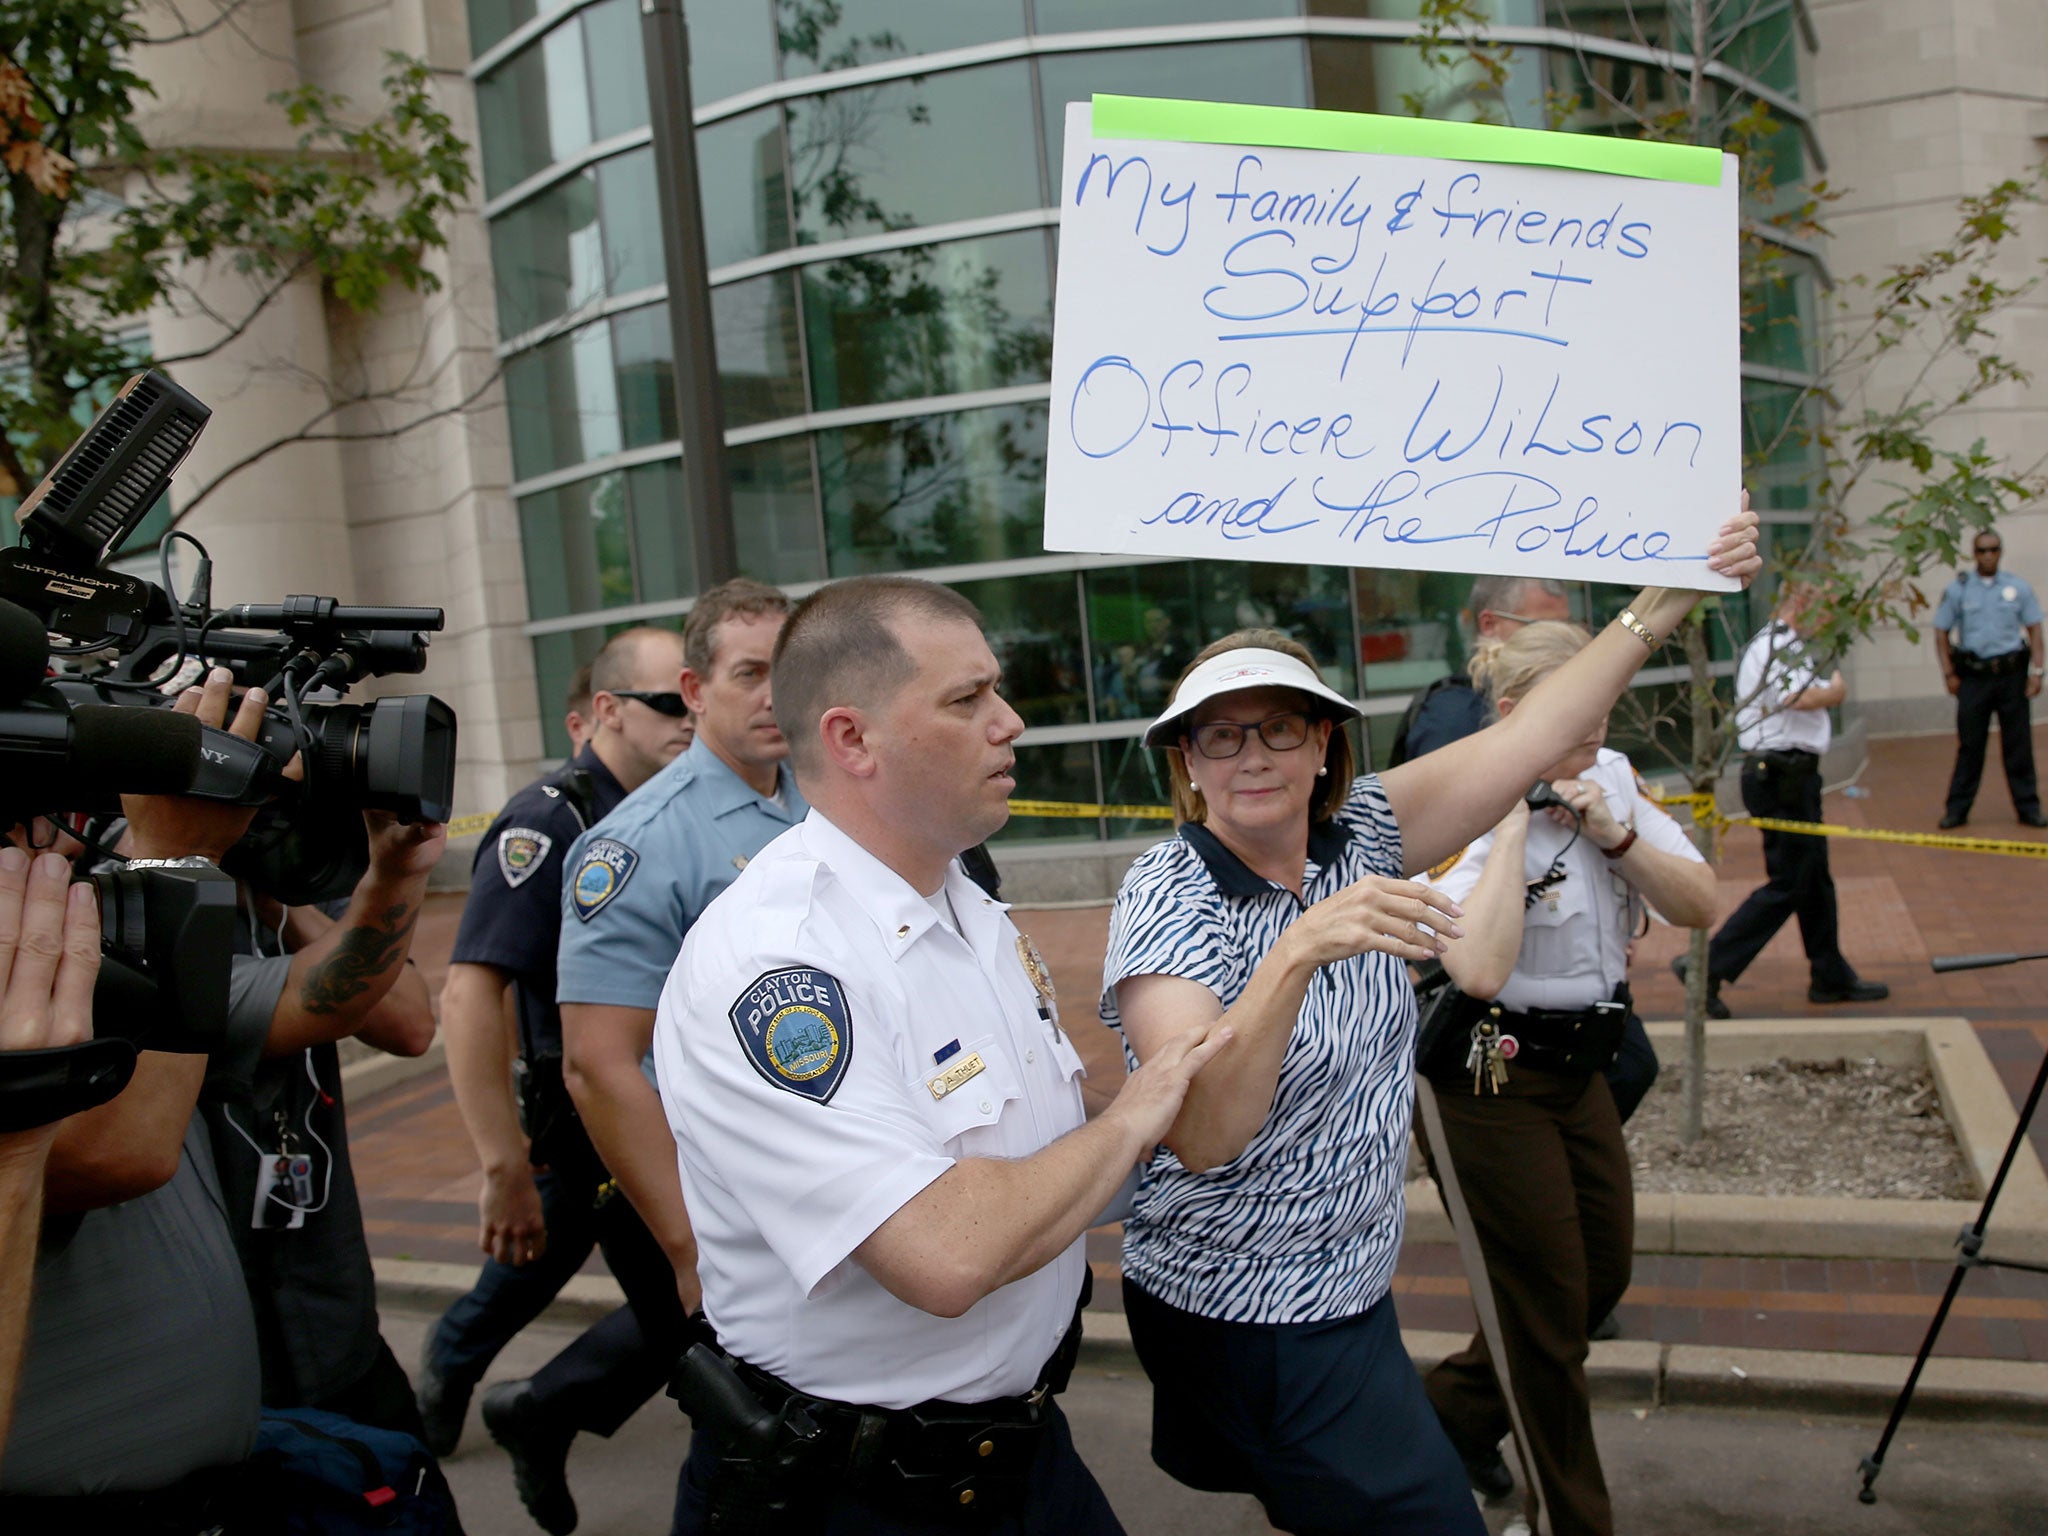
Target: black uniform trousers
1545	1177
1979	697
600	1379
1786	786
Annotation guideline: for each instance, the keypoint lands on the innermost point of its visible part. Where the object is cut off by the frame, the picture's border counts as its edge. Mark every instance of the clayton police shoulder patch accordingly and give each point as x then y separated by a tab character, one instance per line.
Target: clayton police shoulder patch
607	865
522	850
796	1029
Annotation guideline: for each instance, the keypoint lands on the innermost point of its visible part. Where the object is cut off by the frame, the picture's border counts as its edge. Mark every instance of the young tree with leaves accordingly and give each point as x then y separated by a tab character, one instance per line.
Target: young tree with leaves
99	227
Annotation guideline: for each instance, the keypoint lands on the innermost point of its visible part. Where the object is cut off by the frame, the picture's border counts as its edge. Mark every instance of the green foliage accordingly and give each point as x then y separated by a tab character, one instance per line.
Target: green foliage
1473	69
86	253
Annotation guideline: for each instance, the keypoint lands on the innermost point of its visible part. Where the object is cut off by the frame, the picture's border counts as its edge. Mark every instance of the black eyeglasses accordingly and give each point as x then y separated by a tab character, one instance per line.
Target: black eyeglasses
1226	738
668	703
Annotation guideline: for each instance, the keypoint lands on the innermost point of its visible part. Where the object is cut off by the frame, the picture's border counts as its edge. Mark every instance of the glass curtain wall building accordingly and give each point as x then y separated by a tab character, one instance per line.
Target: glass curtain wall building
879	187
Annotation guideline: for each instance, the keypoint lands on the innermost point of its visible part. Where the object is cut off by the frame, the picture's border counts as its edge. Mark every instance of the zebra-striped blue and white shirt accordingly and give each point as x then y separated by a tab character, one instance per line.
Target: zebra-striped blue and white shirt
1304	1225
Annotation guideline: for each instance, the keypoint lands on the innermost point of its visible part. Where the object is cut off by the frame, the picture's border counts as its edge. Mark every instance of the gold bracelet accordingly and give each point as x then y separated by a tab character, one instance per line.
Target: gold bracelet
1638	628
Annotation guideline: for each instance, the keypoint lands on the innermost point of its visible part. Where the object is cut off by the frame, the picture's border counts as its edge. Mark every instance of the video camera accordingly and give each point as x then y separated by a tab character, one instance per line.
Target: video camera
77	742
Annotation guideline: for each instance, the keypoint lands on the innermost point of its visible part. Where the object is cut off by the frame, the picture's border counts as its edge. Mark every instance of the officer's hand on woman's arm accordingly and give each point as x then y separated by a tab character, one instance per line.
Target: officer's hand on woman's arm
1482	960
131	1144
1448	798
352	980
480	1036
602	1047
988	1221
1225	1109
49	958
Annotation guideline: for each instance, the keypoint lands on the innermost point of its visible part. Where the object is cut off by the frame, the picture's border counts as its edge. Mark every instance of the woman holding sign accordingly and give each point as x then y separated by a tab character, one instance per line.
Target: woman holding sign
1258	1260
1551	904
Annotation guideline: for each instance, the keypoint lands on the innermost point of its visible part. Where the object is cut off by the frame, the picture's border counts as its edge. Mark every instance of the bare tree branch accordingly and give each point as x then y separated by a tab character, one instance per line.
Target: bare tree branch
309	433
187	31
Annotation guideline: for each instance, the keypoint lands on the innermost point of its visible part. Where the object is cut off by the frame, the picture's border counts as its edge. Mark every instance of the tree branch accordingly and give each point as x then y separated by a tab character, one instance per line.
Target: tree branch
310	434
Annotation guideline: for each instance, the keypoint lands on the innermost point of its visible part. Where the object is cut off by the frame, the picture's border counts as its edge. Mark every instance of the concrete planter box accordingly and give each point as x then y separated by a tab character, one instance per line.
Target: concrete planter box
1975	1101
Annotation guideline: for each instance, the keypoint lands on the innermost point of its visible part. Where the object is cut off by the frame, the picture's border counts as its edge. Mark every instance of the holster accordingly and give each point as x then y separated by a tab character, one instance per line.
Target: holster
785	1455
554	1131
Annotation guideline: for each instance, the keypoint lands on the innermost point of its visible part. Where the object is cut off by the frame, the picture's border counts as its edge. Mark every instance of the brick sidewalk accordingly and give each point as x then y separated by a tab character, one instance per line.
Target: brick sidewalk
1900	905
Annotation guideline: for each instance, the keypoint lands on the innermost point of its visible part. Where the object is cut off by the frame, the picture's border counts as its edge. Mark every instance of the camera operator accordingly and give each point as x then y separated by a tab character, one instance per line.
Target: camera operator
139	1383
280	1134
49	957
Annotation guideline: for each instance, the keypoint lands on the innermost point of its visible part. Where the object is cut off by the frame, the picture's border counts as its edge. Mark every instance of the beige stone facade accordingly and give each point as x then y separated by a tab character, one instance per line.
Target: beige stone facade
1919	103
419	516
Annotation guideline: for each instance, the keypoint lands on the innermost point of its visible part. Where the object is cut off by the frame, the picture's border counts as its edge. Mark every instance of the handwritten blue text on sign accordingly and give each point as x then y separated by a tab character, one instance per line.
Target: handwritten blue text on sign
1372	360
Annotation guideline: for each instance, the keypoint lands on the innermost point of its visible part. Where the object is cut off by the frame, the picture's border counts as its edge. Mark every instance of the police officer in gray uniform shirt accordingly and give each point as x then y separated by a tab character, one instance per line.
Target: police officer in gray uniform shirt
1993	668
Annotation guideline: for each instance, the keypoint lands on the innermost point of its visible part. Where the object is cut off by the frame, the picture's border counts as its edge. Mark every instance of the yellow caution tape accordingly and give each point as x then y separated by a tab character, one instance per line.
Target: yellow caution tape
1703	808
1075	808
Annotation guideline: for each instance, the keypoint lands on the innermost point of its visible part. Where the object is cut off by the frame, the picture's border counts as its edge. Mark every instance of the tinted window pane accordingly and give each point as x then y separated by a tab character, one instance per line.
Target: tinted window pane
813	37
935	490
775	511
632	223
744	187
1033	627
1062	772
1145	623
562	402
1408	626
1268	74
732	47
578	552
760	357
1134	774
491	21
1100	15
534	109
555	660
647	377
547	256
618	67
663	559
951	146
1777	320
935	320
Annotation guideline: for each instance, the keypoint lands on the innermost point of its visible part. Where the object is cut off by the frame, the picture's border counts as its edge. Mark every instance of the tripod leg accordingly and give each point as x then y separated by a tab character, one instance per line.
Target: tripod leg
1971	1242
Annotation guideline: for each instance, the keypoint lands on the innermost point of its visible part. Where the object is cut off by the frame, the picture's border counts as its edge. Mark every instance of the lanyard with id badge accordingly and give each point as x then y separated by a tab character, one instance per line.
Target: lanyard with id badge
285	1195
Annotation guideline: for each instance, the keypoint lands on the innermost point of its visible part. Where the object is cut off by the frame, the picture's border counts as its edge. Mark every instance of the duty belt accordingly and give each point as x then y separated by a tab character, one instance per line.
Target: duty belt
2005	664
785	1454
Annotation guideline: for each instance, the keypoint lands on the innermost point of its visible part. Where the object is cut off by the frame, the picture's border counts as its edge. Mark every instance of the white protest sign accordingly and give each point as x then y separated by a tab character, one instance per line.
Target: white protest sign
1328	356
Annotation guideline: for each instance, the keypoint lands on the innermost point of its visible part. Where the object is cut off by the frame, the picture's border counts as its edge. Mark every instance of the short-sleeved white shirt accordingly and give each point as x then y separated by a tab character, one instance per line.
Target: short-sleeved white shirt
1575	937
793	1154
1775	667
1304	1225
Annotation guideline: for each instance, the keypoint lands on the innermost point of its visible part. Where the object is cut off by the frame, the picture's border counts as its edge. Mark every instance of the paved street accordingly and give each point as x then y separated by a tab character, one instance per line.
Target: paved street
1689	1472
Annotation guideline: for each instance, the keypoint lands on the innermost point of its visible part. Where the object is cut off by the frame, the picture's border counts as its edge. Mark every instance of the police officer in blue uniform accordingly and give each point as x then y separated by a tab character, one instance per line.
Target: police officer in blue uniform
1993	668
633	885
546	1199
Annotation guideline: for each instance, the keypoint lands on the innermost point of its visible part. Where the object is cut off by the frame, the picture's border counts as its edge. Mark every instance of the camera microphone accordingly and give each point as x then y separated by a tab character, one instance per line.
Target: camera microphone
86	756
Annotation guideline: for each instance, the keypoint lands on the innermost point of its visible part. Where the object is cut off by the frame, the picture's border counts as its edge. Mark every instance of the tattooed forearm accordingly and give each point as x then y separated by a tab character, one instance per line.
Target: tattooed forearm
362	955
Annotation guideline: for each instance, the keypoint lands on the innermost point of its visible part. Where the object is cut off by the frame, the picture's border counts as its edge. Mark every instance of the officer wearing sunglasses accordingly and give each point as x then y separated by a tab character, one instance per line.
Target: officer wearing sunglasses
538	1214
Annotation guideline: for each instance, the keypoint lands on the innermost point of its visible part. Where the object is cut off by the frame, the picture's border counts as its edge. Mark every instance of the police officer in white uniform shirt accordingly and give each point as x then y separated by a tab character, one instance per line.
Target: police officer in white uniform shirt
876	1109
1782	726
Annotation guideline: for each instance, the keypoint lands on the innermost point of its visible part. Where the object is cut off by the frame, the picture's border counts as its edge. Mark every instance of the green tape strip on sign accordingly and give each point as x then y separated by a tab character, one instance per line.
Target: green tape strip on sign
1218	122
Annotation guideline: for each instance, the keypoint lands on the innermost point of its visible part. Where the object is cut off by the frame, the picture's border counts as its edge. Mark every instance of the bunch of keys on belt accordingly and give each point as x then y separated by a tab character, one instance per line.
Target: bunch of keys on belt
1491	1052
